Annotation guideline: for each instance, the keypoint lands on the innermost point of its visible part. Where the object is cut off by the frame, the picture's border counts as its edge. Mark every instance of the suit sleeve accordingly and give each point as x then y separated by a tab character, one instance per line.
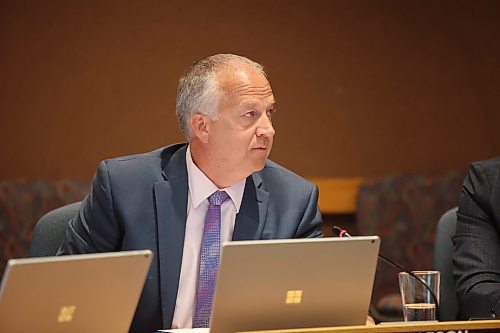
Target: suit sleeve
95	228
311	224
477	247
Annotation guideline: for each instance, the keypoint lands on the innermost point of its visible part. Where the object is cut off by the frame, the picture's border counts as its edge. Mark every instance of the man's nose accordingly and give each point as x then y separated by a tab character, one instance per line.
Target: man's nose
265	127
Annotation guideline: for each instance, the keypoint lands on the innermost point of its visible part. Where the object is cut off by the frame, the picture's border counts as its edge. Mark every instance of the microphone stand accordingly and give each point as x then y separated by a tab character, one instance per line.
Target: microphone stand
344	234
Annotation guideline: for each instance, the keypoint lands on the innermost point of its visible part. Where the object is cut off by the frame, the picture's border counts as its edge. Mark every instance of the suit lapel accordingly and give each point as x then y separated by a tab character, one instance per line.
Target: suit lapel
171	207
251	218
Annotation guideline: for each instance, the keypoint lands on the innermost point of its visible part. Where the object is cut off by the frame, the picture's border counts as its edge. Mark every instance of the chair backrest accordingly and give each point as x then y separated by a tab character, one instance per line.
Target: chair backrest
50	230
443	251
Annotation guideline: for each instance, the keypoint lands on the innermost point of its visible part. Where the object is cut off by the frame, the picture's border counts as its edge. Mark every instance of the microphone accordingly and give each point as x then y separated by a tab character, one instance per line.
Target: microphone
344	234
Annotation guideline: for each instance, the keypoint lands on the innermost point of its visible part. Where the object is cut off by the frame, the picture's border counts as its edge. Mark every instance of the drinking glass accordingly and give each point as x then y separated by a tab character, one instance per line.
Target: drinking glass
418	300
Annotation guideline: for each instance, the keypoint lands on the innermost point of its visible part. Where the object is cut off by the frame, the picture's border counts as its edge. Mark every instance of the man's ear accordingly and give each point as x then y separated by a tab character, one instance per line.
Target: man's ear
200	125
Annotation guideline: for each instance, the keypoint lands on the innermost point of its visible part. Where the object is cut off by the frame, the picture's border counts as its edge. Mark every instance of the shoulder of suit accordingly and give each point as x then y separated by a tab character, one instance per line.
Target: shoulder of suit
144	166
159	153
489	167
274	171
493	163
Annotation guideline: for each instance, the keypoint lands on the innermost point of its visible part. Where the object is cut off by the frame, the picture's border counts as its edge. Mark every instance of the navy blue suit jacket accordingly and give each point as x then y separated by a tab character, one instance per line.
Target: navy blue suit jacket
477	241
140	202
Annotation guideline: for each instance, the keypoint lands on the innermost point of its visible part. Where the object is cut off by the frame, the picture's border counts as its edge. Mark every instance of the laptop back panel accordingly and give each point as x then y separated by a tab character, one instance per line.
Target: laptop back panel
294	283
78	293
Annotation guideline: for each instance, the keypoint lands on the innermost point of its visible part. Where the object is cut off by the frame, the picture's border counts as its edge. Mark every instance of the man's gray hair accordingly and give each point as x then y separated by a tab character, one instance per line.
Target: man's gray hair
199	91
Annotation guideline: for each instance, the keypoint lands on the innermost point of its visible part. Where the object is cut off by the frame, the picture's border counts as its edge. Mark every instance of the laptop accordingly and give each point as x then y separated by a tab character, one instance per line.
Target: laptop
77	293
298	283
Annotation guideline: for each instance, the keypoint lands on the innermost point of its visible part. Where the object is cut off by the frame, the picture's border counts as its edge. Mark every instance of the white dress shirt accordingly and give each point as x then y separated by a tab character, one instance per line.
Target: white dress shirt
200	188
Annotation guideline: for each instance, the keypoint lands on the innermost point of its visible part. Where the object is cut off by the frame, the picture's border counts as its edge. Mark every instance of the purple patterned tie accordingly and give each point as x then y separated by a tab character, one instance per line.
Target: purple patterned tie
209	259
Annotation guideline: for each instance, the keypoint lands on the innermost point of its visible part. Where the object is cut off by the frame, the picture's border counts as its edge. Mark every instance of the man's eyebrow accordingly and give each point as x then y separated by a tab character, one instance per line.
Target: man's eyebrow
254	104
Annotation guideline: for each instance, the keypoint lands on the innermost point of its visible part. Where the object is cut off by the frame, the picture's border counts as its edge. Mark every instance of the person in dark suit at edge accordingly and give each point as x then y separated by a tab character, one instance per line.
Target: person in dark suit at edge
476	258
158	200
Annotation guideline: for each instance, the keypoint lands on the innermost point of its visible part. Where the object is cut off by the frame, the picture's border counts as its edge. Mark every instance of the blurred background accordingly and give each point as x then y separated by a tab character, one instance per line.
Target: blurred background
363	88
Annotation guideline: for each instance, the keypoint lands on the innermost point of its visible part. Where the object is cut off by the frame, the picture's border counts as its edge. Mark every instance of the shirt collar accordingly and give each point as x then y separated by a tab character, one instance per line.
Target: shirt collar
201	187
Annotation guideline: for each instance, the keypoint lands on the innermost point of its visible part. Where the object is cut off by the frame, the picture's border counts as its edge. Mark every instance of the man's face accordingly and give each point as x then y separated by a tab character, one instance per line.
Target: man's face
242	135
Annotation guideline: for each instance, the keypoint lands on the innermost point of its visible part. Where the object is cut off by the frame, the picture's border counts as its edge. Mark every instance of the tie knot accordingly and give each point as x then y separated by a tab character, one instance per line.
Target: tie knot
217	198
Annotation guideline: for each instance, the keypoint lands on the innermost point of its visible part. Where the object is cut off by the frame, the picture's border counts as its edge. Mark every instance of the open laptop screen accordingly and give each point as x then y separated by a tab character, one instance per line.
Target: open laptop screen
296	283
76	293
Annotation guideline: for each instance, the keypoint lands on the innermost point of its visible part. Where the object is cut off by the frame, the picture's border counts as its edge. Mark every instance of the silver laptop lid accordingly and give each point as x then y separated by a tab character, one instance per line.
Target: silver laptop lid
77	293
295	283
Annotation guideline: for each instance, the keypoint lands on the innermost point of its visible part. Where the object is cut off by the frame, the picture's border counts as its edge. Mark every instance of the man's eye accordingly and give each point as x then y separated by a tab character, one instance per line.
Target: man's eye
270	112
250	114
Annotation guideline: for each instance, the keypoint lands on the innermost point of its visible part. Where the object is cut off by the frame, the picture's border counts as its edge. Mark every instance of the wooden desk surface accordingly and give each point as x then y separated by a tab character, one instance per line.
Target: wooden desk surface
454	326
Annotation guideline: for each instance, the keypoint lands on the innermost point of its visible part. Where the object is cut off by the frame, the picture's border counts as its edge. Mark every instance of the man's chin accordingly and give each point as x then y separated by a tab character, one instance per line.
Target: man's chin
259	165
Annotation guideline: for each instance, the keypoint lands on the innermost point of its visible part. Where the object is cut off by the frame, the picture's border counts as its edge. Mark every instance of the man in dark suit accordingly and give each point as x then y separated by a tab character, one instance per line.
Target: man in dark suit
158	200
477	241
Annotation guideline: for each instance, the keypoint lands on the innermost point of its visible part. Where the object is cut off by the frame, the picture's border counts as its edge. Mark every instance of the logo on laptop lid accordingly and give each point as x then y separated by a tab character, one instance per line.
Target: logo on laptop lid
66	313
293	297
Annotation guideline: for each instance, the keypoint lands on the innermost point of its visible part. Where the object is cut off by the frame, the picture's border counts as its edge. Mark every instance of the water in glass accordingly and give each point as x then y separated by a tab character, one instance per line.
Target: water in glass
419	311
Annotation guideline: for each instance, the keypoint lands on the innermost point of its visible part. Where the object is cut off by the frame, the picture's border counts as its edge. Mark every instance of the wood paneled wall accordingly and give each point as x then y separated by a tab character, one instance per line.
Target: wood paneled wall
364	88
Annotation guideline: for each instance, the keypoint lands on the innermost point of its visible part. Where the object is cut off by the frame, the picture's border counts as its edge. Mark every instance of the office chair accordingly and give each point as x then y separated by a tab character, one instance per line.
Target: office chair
50	230
443	250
